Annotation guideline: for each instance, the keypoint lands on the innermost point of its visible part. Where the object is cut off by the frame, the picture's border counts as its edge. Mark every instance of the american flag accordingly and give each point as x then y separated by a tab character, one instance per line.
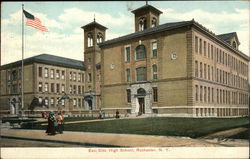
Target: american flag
34	22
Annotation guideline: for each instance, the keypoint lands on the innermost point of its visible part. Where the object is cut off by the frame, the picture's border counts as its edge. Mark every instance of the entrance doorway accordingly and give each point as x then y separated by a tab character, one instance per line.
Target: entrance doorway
141	106
90	104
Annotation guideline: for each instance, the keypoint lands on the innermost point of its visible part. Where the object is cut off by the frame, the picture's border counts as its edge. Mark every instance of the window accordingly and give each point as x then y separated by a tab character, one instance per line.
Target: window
140	52
46	85
201	93
63	75
52	101
127	53
154	49
205	94
52	87
46	101
208	72
142	24
154	22
128	75
79	102
200	69
196	44
52	73
205	71
63	102
74	76
57	74
196	92
196	69
89	77
155	94
212	95
70	76
205	48
40	87
46	73
58	88
40	71
154	70
212	52
14	75
74	102
208	93
79	90
208	50
74	89
200	47
128	95
141	74
79	77
70	89
99	38
57	101
234	44
63	88
90	40
82	77
14	88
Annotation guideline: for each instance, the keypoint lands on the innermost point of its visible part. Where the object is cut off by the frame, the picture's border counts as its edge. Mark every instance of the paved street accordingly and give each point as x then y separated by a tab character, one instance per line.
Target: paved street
88	139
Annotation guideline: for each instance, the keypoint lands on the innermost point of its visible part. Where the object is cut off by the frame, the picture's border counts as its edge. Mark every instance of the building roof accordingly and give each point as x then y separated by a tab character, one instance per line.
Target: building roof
171	26
228	36
166	26
147	7
49	60
94	24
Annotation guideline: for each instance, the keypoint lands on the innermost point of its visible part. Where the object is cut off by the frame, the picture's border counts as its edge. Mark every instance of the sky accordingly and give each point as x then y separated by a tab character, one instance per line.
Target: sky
64	21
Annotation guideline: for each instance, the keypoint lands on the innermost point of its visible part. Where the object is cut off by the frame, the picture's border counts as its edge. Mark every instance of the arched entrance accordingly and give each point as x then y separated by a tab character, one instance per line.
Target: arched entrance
141	93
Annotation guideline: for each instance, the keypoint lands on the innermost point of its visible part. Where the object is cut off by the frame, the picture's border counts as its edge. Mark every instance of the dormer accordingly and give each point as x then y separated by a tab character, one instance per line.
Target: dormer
231	38
146	17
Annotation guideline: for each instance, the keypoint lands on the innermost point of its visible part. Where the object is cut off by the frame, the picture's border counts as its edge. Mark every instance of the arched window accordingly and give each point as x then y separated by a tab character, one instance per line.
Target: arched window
90	40
140	52
99	38
141	92
154	22
234	44
142	24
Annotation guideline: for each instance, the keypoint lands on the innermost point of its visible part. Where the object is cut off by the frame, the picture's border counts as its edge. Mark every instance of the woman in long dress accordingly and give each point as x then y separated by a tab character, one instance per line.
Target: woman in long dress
51	130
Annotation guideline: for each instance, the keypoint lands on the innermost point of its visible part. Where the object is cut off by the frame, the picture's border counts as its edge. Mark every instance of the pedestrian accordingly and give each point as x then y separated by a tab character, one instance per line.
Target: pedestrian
51	130
60	122
117	114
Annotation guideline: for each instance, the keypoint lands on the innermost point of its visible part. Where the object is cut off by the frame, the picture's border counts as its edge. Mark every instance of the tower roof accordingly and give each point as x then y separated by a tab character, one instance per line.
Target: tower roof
94	24
147	7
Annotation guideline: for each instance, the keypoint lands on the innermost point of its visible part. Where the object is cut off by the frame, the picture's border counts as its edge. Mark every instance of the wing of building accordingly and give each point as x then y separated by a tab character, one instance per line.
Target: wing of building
176	69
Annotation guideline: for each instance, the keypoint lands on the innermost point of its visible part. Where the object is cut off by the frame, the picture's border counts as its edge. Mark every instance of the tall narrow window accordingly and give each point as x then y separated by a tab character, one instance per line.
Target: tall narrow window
63	88
200	46
128	75
205	48
205	94
74	89
40	71
52	87
208	72
52	73
40	87
200	69
208	50
70	89
128	95
46	101
74	76
154	49
79	77
142	24
205	71
58	88
140	52
154	22
57	74
63	75
79	90
89	77
52	102
155	94
46	72
90	40
99	38
154	71
141	74
208	94
196	69
196	44
212	52
70	76
201	93
127	53
196	92
46	85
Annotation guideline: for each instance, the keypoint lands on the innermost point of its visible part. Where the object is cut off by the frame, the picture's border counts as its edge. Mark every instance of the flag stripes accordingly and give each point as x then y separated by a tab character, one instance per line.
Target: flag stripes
34	22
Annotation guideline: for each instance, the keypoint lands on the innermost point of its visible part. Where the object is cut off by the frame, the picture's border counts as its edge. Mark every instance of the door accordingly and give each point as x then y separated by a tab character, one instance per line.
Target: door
141	106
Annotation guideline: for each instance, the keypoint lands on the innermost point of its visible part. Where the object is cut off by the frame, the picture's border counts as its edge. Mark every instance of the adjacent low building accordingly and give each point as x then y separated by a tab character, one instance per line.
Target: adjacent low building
47	79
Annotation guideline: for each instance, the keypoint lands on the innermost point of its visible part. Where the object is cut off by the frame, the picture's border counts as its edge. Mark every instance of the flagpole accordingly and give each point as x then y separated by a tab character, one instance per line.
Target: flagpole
22	106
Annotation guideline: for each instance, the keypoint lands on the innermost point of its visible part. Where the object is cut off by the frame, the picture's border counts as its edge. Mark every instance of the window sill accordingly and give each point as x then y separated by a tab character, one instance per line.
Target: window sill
140	60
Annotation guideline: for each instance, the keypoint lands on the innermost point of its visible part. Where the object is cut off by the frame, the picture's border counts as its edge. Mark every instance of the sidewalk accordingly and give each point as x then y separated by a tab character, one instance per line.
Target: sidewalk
119	140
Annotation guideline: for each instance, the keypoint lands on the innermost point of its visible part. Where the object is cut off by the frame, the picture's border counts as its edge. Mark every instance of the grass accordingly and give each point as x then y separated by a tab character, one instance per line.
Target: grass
242	135
189	127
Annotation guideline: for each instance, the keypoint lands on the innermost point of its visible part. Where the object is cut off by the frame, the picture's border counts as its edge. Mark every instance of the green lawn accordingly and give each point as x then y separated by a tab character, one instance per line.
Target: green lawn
190	127
242	135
